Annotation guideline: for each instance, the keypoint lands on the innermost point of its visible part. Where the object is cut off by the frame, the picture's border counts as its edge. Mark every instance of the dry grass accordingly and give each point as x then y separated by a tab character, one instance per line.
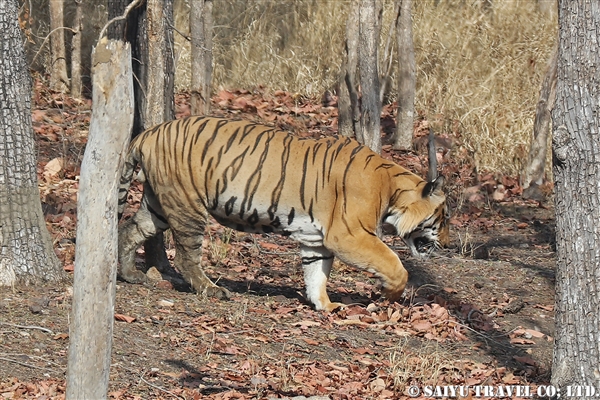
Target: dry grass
420	365
479	71
480	74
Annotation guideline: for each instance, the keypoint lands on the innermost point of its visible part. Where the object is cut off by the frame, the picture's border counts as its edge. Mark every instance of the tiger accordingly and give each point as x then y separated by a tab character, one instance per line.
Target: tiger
332	195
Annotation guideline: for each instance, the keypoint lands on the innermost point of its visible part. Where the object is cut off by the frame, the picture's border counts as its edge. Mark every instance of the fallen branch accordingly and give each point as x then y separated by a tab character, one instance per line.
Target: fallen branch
28	327
30	365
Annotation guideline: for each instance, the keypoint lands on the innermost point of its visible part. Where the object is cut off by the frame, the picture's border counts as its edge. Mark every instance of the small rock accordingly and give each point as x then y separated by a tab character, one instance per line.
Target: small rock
35	308
154	275
514	306
165	303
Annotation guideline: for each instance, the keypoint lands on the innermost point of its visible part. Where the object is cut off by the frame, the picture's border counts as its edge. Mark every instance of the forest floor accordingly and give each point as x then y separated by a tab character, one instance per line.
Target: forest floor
479	313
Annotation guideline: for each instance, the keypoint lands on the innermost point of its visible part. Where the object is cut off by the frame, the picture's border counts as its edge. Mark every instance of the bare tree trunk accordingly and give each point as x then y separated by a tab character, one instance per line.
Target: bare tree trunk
76	52
536	161
158	77
96	255
149	30
388	58
59	80
155	90
576	168
26	253
201	27
348	102
406	79
369	76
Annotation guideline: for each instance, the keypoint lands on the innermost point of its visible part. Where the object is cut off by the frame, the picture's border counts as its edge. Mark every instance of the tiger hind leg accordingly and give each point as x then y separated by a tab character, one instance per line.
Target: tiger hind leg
147	224
188	257
317	262
156	256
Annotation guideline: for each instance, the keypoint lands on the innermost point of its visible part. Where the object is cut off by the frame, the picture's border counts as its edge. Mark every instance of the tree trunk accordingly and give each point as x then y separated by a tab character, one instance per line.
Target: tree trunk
149	31
387	57
536	161
158	76
96	252
117	30
154	90
151	39
201	27
348	105
26	253
406	79
370	135
59	80
576	168
76	52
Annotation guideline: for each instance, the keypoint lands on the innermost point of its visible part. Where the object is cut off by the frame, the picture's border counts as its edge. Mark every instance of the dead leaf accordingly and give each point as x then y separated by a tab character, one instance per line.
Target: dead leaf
422	326
53	167
125	318
269	246
61	336
363	350
534	333
377	385
349	322
306	323
526	360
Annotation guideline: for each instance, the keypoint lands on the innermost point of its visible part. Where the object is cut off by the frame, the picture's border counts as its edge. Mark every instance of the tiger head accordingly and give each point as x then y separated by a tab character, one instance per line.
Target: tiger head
433	231
431	234
421	218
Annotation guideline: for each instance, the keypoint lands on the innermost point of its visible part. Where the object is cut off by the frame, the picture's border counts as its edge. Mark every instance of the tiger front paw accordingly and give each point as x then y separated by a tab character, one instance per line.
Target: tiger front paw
393	294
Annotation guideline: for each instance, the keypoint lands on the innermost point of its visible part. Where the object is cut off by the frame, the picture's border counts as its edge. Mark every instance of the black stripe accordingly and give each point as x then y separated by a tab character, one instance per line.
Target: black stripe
346	170
160	217
212	138
303	182
291	216
310	260
370	232
329	143
231	139
276	195
255	179
385	165
368	160
229	205
253	219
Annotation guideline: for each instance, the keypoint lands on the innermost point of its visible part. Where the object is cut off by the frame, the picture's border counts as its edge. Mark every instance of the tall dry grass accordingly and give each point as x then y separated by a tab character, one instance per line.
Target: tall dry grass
478	70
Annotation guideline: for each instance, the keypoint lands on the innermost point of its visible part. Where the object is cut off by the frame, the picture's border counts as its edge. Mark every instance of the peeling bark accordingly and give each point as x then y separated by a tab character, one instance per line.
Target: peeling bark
536	161
96	253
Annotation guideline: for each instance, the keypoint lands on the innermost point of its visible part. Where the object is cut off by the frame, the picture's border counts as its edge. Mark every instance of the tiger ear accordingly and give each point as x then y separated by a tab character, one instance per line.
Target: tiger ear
434	187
